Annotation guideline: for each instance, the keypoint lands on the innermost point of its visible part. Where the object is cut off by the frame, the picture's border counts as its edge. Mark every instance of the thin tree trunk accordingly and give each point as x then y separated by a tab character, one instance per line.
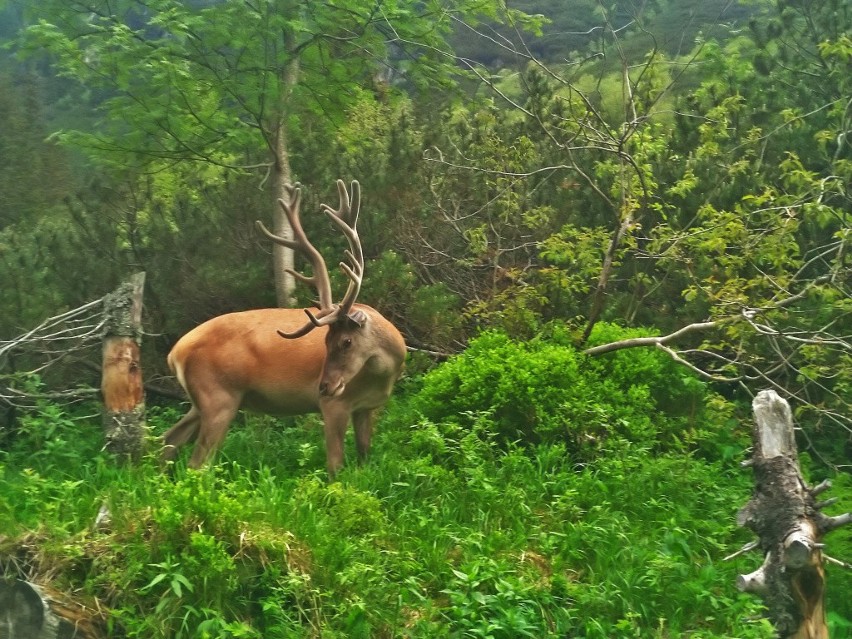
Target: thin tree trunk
599	296
282	257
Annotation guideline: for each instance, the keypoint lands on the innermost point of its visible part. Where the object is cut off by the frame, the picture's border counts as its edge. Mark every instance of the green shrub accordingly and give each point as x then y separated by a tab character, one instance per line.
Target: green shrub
675	390
685	410
544	390
50	436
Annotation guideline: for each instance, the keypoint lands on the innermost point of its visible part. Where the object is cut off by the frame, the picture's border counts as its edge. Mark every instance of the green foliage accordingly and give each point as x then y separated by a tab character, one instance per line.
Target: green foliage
233	76
34	173
675	390
447	533
429	310
544	390
486	599
576	254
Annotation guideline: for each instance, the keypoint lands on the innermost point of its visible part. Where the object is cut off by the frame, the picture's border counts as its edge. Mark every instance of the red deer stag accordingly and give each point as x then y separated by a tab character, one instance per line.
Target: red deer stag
342	362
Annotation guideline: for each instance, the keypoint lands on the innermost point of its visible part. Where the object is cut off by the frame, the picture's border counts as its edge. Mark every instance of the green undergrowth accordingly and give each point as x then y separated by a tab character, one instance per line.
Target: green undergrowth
491	543
454	528
545	391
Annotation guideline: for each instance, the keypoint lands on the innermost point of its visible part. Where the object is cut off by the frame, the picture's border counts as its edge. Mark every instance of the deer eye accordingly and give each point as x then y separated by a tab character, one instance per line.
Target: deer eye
347	342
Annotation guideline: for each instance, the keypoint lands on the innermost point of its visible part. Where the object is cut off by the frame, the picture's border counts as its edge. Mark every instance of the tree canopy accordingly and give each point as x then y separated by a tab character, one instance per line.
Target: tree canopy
226	83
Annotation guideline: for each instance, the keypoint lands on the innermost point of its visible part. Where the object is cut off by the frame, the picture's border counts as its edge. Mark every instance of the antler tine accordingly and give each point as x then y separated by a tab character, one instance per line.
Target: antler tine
349	207
291	210
283	241
355	203
319	278
326	317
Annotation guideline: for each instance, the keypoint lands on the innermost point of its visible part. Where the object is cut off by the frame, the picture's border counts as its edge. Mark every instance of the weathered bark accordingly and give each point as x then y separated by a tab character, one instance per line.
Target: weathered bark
28	611
283	257
121	386
784	514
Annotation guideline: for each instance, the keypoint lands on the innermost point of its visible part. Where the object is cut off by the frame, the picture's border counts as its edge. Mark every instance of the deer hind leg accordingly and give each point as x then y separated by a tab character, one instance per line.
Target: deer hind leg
184	431
213	426
363	421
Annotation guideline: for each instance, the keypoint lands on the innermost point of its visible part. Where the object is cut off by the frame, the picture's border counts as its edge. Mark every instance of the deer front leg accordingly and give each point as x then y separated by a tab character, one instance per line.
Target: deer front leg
363	421
336	419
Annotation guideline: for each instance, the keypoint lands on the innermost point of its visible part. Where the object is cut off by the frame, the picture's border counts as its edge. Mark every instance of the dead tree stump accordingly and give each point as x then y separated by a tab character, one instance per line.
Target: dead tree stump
28	611
121	385
788	521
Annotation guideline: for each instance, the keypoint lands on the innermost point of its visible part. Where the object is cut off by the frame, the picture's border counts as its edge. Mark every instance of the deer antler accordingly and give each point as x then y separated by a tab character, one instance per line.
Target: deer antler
347	210
346	219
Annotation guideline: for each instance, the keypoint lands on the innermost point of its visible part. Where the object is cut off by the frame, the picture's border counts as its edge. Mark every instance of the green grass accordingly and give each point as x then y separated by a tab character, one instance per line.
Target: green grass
481	541
450	530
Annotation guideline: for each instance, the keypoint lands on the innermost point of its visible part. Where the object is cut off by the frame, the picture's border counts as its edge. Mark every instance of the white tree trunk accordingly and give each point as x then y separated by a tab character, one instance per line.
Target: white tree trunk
282	257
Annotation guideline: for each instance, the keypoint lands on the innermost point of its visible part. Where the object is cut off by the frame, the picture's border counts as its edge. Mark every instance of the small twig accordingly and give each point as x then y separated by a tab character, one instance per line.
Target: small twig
747	548
821	487
431	353
837	562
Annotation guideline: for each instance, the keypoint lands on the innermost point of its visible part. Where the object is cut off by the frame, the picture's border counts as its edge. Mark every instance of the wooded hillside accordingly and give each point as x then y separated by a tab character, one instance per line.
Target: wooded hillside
602	229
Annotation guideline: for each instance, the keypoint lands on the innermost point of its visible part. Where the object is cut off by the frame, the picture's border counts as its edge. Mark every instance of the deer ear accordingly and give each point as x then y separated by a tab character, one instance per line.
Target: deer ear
358	317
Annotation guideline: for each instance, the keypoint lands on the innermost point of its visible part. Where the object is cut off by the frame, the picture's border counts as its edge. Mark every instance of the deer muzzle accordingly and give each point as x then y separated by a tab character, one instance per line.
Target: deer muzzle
332	388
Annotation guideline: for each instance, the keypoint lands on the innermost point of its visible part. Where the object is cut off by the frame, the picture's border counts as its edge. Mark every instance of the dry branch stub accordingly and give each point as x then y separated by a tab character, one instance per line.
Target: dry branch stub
786	517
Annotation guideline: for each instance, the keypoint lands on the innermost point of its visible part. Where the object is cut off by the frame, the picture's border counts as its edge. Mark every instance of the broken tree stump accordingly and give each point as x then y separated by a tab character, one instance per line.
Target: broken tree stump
29	611
121	382
788	521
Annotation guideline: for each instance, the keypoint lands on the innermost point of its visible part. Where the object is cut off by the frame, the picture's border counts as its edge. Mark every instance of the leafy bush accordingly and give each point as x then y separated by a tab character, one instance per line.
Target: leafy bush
50	435
544	390
685	408
675	390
